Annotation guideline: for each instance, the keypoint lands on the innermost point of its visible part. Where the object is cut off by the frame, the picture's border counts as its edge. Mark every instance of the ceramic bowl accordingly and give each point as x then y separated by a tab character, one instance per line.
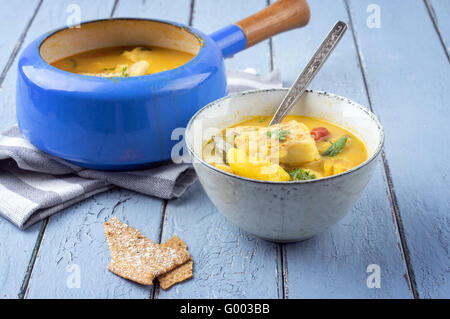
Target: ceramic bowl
284	211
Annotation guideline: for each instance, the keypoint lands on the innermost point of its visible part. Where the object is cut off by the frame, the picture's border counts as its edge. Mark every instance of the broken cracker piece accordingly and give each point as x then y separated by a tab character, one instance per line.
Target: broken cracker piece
175	242
179	274
137	258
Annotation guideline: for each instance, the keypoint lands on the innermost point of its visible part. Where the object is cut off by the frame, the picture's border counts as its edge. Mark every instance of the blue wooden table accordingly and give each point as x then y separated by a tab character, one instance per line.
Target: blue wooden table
397	65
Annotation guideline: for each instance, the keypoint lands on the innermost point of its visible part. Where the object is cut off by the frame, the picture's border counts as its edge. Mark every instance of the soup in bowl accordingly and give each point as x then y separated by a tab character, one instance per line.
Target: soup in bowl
286	182
298	148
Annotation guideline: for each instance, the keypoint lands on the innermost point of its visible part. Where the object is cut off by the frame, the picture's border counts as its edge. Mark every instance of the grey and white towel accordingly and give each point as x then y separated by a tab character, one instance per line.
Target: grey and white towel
34	185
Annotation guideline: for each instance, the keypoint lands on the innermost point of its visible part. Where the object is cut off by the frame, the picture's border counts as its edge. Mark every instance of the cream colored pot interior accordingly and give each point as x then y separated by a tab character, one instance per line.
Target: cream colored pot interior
117	32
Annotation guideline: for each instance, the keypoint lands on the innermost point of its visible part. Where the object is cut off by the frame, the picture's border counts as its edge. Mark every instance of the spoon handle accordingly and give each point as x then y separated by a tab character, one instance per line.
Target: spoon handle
308	73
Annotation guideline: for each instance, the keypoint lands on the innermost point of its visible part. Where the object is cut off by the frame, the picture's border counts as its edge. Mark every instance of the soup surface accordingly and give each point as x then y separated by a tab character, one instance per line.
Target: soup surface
124	61
299	148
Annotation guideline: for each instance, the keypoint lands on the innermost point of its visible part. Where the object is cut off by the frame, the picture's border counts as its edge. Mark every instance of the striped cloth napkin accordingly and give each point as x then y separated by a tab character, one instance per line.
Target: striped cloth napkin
35	185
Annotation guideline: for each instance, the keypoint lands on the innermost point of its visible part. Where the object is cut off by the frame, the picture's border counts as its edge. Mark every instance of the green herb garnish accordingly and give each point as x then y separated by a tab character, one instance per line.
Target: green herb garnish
279	134
109	69
262	120
124	69
300	174
74	63
336	147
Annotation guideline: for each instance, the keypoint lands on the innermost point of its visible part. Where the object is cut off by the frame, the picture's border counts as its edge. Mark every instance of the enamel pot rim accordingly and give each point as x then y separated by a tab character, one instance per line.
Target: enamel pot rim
125	122
372	116
168	73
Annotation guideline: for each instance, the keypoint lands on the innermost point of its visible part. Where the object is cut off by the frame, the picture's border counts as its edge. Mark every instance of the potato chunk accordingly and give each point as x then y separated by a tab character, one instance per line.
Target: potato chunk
223	167
333	166
243	165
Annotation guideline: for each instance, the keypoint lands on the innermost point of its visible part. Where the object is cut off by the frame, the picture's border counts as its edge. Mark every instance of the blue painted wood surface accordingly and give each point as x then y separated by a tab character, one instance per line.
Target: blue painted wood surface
227	262
15	20
406	80
75	238
82	237
210	16
178	10
334	263
16	247
408	76
441	11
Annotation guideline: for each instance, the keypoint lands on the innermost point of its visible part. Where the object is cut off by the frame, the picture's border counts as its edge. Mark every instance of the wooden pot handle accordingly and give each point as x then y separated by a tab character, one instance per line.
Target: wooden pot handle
282	15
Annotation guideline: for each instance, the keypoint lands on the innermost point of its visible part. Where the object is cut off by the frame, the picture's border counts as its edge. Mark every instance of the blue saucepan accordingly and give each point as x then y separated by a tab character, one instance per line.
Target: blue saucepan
130	123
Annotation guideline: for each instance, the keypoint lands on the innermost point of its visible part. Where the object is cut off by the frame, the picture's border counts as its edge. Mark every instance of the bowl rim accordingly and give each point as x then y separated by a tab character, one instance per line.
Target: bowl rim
189	29
262	91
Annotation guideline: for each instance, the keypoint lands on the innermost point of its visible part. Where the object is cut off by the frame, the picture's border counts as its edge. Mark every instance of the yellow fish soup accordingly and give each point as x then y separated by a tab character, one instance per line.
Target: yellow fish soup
299	148
124	61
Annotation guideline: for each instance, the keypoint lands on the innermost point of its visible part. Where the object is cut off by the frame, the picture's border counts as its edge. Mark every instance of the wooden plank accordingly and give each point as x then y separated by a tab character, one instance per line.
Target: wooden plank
54	14
177	10
407	76
75	237
333	264
7	89
210	16
14	260
228	263
16	247
14	17
75	242
440	12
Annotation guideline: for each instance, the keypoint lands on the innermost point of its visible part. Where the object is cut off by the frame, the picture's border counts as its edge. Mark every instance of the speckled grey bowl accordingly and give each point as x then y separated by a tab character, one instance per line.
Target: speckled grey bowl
284	211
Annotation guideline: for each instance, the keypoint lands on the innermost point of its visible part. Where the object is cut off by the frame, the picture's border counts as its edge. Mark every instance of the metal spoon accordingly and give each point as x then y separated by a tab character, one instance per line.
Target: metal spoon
309	72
